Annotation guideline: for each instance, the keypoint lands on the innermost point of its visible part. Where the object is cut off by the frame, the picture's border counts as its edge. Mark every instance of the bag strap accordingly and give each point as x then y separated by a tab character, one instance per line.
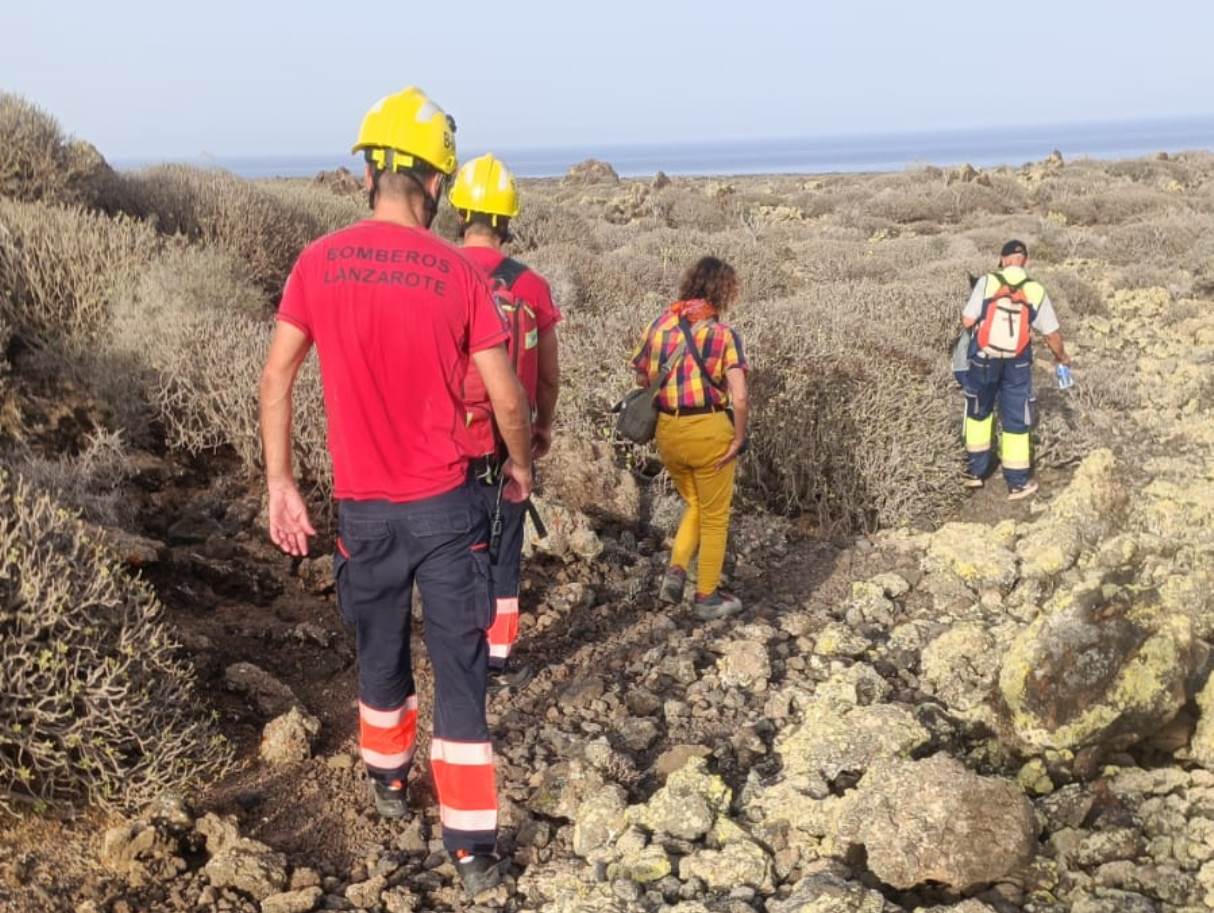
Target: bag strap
689	337
665	368
508	272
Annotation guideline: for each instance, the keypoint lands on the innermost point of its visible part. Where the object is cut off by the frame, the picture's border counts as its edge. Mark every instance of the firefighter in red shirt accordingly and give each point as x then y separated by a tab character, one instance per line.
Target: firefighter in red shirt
397	315
486	197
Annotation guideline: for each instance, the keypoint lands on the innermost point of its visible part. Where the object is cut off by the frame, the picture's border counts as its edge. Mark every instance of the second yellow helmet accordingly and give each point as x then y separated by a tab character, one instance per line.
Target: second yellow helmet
404	126
486	185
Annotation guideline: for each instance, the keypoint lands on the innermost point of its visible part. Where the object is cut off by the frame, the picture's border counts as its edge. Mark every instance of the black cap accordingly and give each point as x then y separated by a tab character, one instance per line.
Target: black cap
1012	248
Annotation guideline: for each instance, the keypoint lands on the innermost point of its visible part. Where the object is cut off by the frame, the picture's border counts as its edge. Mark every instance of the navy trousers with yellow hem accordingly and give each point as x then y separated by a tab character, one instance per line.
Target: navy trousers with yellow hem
1006	383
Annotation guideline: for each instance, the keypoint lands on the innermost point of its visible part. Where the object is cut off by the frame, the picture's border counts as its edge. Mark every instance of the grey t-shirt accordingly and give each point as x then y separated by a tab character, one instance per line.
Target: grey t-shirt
1045	323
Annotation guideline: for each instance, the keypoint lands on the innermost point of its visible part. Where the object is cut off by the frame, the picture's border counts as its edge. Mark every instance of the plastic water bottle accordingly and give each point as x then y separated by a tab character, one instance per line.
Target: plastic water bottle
1065	380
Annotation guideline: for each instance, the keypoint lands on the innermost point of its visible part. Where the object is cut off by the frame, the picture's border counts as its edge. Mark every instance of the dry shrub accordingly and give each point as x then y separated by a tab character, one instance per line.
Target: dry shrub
326	210
583	281
1163	239
844	431
542	223
88	482
95	706
1091	201
59	269
762	270
1073	296
37	163
693	208
221	209
193	323
933	202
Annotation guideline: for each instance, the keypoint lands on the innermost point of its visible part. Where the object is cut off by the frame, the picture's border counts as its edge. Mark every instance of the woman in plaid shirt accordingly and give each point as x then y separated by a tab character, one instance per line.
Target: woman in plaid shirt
702	418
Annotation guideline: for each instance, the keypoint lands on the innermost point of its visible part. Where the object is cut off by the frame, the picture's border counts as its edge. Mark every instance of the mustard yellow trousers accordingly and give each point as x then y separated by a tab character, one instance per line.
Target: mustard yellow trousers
690	446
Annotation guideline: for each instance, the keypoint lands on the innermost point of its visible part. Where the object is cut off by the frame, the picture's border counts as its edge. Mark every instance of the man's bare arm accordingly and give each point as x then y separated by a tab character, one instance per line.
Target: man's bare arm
1057	347
288	515
547	392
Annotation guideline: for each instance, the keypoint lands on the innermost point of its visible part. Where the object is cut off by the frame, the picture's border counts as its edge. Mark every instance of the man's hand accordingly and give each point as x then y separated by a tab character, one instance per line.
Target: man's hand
518	482
731	454
541	441
289	523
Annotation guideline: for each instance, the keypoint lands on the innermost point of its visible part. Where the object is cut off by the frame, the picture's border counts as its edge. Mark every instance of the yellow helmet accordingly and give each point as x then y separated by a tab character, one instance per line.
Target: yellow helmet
401	128
485	185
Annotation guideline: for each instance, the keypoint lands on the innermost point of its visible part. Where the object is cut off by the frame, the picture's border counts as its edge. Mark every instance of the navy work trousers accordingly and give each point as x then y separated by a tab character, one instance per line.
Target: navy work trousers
441	543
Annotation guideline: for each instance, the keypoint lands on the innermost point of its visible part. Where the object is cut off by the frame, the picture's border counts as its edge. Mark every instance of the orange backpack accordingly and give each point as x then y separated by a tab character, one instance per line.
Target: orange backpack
1004	329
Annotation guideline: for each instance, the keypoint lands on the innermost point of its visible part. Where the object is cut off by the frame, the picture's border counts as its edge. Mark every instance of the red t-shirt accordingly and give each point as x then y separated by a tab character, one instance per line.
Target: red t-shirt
530	287
394	313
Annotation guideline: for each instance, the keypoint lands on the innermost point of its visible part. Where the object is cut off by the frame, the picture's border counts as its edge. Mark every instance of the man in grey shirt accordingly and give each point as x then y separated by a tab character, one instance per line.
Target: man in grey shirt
1003	311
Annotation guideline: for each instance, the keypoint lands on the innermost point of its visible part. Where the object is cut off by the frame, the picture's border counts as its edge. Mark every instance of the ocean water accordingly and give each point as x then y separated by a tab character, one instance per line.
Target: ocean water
807	155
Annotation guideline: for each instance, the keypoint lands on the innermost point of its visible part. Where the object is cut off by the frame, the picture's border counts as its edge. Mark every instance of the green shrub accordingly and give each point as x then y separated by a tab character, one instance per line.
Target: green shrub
221	209
95	706
59	269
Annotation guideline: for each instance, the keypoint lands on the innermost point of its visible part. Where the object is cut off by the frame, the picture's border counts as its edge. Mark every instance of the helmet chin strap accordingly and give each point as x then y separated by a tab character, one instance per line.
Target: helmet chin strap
431	203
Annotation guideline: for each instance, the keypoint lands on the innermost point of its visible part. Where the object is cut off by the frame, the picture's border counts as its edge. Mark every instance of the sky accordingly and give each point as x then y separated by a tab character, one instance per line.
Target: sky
263	77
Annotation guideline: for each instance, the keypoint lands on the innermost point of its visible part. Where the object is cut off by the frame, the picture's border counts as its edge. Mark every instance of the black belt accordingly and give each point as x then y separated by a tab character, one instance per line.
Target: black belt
693	410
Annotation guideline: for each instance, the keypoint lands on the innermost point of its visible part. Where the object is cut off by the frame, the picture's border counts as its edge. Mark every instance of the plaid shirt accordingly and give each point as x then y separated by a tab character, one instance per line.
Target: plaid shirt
685	387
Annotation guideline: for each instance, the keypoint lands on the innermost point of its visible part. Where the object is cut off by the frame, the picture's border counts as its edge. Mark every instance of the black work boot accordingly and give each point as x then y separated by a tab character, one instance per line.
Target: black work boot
510	678
390	799
479	873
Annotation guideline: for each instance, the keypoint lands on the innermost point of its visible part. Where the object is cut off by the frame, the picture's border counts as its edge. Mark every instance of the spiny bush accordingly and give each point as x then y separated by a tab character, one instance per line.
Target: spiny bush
95	706
326	210
37	163
221	209
199	330
59	269
88	482
541	223
845	431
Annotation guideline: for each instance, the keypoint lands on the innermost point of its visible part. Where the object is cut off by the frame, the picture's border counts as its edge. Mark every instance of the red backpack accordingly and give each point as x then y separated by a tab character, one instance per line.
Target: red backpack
522	346
1005	328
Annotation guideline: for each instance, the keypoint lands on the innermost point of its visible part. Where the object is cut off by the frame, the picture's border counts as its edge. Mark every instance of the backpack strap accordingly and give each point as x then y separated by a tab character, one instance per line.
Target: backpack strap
1014	287
508	272
689	338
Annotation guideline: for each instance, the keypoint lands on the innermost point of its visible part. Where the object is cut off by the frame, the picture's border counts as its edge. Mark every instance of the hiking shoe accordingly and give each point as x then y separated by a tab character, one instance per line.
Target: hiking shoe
390	799
510	678
478	873
716	605
1026	490
969	480
673	583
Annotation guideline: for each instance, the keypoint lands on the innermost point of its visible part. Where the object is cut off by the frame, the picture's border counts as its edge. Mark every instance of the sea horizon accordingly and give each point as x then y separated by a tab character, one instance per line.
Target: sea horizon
847	153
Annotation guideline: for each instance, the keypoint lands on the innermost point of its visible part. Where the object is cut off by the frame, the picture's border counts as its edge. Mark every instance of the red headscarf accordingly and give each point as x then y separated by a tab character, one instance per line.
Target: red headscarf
695	310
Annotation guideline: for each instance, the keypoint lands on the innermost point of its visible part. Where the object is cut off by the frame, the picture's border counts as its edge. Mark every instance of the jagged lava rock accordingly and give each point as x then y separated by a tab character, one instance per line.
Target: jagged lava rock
934	820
